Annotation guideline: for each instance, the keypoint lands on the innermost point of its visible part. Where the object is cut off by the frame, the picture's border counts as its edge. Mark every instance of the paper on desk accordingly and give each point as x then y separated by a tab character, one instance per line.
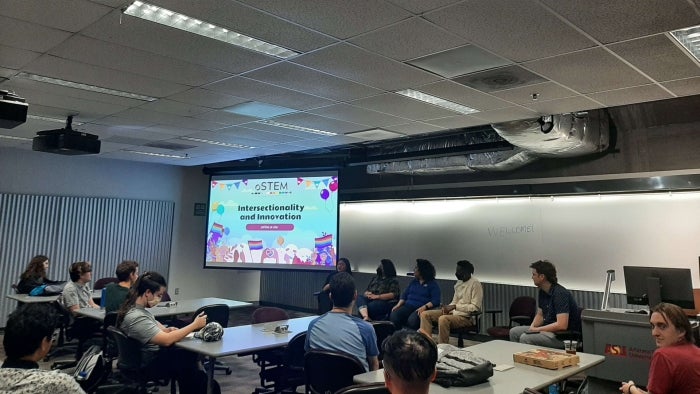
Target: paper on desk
190	335
502	367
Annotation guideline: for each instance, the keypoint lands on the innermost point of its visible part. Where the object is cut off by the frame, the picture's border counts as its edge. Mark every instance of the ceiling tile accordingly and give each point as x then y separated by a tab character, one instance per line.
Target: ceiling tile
207	98
169	119
684	87
588	71
174	107
251	133
124	122
517	30
415	128
456	122
616	20
506	114
563	105
320	122
310	81
342	19
174	43
658	57
464	95
256	138
636	94
29	36
22	84
403	107
249	21
169	130
408	39
459	61
346	61
545	91
421	6
264	92
15	58
358	115
225	117
75	15
119	57
68	70
500	79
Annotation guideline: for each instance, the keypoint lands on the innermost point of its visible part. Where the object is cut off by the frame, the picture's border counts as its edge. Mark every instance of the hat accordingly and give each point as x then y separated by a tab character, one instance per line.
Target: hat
211	332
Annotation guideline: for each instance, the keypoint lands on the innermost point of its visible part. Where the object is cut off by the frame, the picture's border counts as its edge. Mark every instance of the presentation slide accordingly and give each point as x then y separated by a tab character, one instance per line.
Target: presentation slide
275	221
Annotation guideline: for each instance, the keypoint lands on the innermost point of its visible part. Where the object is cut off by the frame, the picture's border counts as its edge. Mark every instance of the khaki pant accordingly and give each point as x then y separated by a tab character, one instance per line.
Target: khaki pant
445	323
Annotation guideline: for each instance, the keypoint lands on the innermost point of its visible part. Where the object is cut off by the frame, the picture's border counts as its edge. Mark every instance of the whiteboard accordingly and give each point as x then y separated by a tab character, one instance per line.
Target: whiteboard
584	236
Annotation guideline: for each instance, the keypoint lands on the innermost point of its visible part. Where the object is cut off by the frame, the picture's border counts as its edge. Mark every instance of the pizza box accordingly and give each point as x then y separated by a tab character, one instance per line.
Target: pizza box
544	358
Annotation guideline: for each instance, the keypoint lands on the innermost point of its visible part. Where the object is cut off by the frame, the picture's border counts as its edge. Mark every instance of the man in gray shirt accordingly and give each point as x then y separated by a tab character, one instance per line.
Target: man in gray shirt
78	294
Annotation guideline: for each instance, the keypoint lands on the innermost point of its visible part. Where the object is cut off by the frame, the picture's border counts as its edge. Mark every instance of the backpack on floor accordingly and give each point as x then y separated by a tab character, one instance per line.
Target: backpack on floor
91	370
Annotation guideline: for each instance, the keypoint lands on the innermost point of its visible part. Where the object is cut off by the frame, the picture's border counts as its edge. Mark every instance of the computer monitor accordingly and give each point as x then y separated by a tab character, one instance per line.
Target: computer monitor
651	285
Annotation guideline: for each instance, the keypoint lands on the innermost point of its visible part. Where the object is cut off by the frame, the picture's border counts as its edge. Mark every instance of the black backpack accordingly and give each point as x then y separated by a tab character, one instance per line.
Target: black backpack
92	369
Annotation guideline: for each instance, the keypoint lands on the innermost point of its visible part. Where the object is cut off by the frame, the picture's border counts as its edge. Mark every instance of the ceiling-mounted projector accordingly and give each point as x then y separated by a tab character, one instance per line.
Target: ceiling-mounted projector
66	141
13	110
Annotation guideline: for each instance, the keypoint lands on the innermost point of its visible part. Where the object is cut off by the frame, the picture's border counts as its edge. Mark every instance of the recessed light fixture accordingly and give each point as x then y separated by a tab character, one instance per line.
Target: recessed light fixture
689	38
83	86
420	96
295	127
12	137
374	134
226	144
156	154
259	110
179	21
55	120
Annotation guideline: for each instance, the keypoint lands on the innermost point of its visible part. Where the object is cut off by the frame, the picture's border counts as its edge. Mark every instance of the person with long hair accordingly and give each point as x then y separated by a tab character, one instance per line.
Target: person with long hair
675	365
375	302
324	302
35	276
422	294
159	359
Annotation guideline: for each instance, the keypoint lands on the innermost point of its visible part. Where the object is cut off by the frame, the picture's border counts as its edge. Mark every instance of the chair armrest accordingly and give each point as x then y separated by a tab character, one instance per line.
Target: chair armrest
317	293
567	335
493	313
522	320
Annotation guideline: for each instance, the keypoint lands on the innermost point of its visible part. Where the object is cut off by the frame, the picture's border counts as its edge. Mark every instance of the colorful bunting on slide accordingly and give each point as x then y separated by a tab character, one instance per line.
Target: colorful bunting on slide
213	184
255	245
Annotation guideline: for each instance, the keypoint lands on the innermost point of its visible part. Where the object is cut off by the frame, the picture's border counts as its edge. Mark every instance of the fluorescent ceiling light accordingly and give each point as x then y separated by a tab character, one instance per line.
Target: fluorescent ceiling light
156	154
55	120
11	137
295	127
689	38
179	21
226	144
259	110
82	86
374	134
420	96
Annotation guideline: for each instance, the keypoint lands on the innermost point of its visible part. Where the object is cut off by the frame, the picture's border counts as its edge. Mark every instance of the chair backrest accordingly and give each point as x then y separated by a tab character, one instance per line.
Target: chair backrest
15	288
295	351
523	310
102	282
368	388
327	371
109	344
215	312
129	350
165	297
383	329
268	313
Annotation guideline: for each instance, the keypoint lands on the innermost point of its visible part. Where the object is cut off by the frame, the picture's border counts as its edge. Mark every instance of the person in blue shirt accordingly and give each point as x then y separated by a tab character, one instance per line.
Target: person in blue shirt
422	294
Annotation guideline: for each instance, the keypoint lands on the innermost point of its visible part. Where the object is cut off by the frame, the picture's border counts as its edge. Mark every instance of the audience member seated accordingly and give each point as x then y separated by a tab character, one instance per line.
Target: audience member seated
115	293
159	358
27	340
339	331
556	310
468	298
675	365
409	362
35	276
383	289
78	294
422	294
324	303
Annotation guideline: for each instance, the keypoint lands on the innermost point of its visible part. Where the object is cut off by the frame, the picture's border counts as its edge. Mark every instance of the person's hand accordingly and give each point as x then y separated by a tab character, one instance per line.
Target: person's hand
395	308
446	309
421	310
626	387
200	321
367	294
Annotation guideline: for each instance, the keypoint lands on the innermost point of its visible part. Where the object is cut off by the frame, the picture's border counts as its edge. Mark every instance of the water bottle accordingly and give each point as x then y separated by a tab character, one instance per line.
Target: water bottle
554	388
102	298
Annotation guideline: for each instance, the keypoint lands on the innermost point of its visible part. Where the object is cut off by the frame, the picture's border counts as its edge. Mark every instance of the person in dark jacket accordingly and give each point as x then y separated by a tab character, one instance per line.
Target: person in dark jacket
35	276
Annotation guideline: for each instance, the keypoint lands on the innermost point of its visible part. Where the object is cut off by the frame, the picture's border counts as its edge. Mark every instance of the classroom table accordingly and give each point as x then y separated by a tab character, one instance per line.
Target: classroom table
27	299
513	380
245	339
181	307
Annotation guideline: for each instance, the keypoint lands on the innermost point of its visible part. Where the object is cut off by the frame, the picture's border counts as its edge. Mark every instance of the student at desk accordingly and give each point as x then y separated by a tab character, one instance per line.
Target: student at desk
115	293
159	359
35	276
675	365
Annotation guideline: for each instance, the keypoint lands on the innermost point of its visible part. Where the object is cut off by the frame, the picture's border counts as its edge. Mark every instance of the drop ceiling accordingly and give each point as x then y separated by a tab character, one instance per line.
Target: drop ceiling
489	55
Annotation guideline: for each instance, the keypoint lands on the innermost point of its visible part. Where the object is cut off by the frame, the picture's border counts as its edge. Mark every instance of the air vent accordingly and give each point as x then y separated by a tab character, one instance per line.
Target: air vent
169	145
500	79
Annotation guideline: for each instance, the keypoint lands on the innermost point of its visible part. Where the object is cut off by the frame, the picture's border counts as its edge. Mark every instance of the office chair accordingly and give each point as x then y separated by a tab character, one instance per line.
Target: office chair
383	329
327	371
468	331
522	312
272	357
368	388
102	282
573	334
130	365
290	374
216	313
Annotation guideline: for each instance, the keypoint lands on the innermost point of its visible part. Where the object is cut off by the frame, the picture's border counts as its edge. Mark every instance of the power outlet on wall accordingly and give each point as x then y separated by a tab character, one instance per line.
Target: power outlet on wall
177	290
